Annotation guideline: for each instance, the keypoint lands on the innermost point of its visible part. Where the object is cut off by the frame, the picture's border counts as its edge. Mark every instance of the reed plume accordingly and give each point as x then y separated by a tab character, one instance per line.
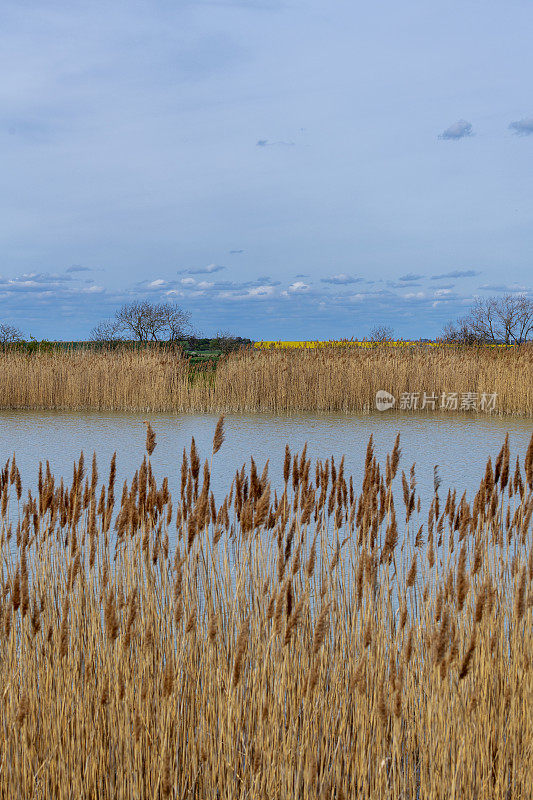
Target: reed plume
311	652
336	379
150	439
218	438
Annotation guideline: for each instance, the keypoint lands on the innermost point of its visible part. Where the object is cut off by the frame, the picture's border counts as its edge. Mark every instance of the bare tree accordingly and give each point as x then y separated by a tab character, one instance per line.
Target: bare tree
381	333
228	342
105	331
144	321
459	333
9	334
506	320
177	321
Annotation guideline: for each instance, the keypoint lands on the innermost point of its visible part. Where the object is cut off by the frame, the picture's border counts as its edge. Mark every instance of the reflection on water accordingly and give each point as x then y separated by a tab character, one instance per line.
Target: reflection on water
459	444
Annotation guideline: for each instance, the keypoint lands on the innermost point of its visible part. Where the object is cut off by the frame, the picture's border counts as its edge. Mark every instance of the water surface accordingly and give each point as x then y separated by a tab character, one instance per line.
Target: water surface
458	443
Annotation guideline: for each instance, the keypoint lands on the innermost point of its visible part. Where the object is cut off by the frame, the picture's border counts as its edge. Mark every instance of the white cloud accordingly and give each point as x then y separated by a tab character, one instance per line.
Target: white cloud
459	130
523	127
298	287
206	270
457	273
341	279
261	291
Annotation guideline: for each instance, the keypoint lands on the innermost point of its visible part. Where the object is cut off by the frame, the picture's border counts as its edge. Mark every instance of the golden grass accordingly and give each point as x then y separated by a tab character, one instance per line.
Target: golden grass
334	379
328	641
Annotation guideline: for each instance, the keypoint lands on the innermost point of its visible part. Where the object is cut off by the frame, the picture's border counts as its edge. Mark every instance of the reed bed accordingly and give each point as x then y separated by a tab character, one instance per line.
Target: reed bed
327	640
336	379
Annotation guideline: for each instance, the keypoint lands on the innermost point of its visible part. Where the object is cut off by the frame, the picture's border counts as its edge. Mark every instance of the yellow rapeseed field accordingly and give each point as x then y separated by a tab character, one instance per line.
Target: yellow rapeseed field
286	345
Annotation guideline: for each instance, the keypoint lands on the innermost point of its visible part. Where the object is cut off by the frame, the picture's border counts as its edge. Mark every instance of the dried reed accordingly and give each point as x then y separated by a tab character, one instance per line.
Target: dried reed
335	379
322	649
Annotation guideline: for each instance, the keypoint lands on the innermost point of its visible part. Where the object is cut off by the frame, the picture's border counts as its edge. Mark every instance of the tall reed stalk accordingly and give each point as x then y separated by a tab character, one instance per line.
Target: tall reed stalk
329	379
326	641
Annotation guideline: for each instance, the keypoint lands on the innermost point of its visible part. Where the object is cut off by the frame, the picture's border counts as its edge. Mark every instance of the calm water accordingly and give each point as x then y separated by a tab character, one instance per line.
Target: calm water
458	443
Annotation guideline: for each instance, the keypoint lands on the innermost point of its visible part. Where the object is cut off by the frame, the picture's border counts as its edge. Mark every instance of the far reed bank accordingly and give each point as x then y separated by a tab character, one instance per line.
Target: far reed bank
280	381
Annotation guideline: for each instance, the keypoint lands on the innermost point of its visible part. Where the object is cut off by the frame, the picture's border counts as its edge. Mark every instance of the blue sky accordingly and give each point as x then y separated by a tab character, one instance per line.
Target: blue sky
280	169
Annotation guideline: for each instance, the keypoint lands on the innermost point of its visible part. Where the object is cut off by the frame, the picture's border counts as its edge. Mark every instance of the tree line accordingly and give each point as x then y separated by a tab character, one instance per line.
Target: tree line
506	319
495	320
144	322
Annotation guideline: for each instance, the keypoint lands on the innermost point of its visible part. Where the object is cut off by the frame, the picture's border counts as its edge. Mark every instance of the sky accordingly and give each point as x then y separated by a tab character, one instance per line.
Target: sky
281	170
